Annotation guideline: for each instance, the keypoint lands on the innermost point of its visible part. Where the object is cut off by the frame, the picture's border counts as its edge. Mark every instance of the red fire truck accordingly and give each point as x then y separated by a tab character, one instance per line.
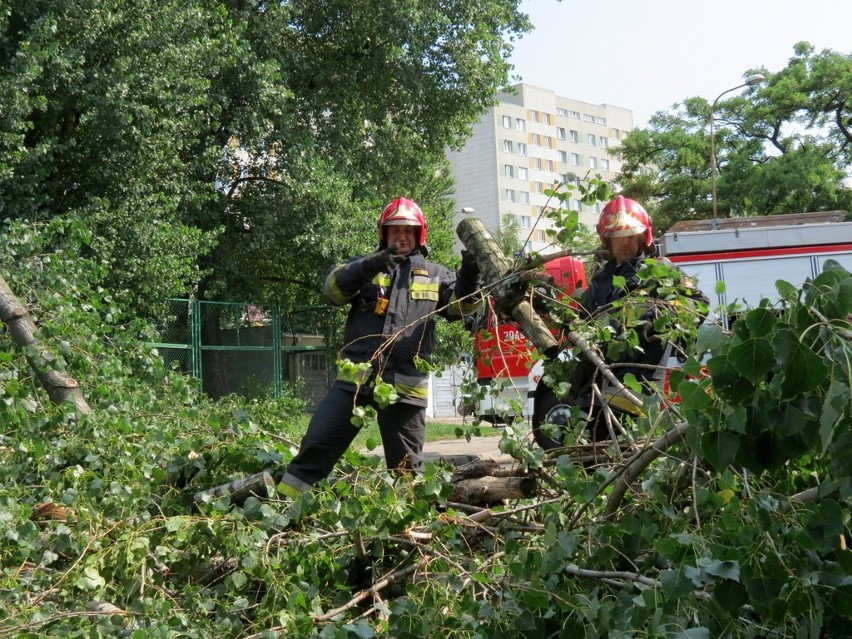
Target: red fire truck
734	261
503	353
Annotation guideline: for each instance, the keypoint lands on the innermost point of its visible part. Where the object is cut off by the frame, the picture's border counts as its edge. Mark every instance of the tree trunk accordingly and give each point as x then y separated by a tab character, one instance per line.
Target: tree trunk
59	386
497	276
493	490
240	489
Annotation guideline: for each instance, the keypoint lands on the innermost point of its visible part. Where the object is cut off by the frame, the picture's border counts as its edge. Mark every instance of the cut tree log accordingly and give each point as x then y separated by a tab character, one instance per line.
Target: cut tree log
498	277
59	386
494	490
240	489
477	483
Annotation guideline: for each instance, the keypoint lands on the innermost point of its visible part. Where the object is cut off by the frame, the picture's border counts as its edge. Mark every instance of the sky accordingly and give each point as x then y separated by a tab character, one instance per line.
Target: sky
646	55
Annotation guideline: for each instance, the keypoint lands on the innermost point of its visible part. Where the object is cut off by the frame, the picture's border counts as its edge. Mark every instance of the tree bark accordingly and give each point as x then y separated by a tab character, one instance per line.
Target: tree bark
240	489
492	490
59	386
497	275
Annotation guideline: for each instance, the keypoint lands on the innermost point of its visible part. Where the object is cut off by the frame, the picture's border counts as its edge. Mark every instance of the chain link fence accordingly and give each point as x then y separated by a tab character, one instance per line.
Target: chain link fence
247	350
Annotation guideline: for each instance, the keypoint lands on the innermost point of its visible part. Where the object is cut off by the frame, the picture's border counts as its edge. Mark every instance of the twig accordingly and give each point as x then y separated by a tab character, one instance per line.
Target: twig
640	462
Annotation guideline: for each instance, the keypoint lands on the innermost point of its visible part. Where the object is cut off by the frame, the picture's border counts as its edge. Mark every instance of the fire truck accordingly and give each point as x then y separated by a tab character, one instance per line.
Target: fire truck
735	262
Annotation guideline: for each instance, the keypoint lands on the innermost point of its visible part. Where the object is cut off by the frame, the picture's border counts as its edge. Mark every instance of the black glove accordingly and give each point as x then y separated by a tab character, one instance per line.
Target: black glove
469	269
382	261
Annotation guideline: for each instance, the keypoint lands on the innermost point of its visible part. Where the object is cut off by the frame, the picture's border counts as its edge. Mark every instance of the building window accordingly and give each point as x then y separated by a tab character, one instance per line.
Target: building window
575	136
522	148
507	146
523	173
524	197
534	115
508	170
563	156
520	125
507	122
560	133
574	114
605	164
526	222
593	163
539	187
588	118
602	141
548	165
545	117
561	111
510	195
575	159
591	139
536	163
542	237
536	139
617	156
615	134
548	142
600	120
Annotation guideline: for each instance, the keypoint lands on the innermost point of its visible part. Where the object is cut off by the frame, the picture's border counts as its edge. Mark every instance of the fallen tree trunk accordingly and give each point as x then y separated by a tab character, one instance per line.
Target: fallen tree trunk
496	273
492	490
59	386
240	489
478	483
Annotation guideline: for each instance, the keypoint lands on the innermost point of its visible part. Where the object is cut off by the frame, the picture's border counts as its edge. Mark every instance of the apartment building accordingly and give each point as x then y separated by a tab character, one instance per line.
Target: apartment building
531	140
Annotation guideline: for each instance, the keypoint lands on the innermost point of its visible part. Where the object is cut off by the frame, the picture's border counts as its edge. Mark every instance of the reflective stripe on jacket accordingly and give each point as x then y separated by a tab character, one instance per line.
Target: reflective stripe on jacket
416	291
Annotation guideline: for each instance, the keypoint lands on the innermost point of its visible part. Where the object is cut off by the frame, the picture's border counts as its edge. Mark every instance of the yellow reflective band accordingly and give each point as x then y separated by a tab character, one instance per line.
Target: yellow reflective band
419	392
411	386
467	307
382	279
425	290
332	290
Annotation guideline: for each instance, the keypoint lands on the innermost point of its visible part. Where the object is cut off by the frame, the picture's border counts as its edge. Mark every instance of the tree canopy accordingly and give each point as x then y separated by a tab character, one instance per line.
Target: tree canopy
238	147
781	147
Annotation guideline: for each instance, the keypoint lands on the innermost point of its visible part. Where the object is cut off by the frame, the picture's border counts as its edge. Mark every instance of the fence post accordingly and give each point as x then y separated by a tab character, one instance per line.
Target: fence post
276	351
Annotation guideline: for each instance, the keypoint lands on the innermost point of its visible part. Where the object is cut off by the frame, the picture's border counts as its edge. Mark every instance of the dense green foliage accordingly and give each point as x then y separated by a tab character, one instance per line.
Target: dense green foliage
736	531
782	147
233	149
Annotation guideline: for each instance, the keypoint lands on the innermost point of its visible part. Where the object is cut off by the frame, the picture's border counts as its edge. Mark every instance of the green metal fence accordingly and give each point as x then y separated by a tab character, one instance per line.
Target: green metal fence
241	348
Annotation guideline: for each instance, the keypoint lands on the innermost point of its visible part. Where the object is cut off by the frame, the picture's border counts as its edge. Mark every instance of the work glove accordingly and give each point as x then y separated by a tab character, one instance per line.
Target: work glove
382	261
469	269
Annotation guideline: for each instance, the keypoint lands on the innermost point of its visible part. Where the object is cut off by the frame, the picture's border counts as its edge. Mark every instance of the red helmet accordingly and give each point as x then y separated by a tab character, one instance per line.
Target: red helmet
403	212
623	217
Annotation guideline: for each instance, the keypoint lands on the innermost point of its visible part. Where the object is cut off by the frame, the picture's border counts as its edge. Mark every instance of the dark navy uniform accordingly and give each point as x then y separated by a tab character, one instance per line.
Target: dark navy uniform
390	325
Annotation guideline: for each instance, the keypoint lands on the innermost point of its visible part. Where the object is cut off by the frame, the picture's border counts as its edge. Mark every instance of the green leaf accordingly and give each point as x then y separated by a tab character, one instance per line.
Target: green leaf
693	395
803	370
760	321
727	380
719	448
90	579
835	407
753	359
724	569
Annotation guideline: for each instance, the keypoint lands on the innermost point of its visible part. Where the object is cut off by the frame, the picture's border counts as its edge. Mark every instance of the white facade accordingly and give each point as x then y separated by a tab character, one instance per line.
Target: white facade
529	141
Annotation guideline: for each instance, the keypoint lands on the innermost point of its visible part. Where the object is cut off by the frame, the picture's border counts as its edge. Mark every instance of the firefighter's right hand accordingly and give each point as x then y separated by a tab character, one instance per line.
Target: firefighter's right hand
382	261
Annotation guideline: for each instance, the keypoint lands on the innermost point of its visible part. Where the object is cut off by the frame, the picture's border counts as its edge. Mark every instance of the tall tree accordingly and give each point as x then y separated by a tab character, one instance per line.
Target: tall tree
265	136
783	147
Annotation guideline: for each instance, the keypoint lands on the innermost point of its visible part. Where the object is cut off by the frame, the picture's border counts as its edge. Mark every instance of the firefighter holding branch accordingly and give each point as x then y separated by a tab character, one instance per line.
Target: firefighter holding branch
393	295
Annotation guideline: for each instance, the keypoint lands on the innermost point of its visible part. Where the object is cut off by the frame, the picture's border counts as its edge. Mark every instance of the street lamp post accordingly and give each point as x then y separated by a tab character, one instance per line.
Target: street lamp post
749	81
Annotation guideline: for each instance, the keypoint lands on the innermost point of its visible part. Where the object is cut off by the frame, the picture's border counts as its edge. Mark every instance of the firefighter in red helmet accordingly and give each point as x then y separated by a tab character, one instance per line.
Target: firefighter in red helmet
393	295
627	237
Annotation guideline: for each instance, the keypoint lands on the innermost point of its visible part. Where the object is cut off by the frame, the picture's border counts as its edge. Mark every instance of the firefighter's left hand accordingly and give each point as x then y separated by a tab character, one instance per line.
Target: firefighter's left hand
469	269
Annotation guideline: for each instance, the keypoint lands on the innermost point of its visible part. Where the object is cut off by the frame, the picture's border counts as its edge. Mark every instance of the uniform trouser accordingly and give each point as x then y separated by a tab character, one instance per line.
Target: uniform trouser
330	432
